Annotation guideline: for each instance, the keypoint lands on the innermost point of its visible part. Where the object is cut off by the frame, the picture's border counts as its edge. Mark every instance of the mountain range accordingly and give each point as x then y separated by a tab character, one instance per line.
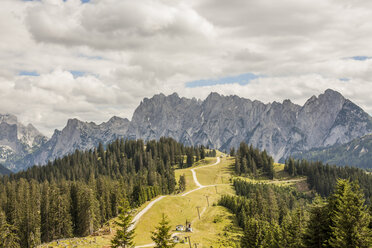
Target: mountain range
218	121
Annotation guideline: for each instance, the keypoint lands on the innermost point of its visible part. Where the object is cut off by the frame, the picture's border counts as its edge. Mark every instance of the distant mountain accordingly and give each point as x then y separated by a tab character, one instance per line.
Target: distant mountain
4	170
225	121
77	135
357	153
219	122
17	140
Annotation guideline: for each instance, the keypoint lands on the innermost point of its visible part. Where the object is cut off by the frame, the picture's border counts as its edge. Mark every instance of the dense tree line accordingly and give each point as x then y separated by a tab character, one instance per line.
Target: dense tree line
76	194
249	161
322	178
211	153
193	154
273	216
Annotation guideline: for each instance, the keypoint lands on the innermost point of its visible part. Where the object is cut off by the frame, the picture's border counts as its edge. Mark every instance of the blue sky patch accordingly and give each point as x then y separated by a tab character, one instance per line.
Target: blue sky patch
241	79
91	57
28	73
361	58
77	74
344	79
83	1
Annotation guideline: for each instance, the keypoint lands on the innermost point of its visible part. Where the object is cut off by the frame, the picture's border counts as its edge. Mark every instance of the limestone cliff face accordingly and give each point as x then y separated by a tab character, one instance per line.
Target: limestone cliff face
17	140
224	121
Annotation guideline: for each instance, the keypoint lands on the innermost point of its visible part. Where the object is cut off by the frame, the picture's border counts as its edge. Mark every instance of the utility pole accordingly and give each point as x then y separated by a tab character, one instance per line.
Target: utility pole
198	212
189	238
207	196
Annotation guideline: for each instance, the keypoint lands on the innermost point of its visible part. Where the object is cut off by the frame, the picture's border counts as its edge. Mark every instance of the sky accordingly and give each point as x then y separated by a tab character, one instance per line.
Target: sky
91	60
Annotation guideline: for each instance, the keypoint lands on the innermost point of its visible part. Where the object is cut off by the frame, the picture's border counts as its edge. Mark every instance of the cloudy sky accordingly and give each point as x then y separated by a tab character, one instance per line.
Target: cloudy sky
99	58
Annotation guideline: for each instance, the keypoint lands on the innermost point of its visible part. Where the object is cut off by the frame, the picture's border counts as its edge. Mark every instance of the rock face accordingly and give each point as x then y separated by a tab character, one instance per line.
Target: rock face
218	121
17	140
77	135
225	121
4	170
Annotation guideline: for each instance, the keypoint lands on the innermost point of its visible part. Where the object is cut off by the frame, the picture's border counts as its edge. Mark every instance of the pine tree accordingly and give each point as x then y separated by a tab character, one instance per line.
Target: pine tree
162	236
8	234
232	151
257	233
190	158
349	217
125	234
316	233
182	183
293	229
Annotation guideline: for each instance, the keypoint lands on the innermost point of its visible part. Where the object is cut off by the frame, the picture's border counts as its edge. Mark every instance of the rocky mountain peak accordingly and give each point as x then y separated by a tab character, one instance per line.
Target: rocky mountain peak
17	140
8	118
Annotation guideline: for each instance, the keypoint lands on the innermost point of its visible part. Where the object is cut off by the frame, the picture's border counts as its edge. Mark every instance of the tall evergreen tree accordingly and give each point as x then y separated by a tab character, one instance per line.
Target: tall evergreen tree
189	157
162	236
256	234
8	234
125	234
349	217
317	233
182	183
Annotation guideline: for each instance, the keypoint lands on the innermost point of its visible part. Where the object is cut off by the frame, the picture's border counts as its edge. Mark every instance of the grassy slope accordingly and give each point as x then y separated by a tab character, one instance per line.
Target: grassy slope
178	209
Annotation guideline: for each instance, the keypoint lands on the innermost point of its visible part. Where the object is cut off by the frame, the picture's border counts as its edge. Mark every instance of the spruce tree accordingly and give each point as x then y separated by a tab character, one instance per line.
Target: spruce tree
8	234
349	217
182	183
316	233
190	158
162	236
254	234
125	234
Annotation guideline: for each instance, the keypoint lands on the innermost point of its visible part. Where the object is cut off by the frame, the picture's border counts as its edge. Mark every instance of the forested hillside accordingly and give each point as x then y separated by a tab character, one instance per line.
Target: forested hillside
357	153
322	178
75	195
281	216
274	216
251	161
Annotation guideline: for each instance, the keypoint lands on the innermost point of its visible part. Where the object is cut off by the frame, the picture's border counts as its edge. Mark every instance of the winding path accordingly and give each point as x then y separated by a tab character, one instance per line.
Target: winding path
143	211
196	179
148	207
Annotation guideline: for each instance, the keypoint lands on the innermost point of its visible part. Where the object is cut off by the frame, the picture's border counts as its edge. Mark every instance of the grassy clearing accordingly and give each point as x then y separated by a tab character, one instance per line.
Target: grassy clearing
189	179
218	174
282	178
216	228
179	209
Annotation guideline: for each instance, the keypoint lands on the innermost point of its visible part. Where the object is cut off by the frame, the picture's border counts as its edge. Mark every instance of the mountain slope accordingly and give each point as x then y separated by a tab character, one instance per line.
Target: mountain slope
4	170
77	135
17	140
358	153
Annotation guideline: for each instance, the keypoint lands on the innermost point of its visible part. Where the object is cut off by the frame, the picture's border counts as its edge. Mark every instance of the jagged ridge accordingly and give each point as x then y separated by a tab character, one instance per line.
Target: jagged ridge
220	122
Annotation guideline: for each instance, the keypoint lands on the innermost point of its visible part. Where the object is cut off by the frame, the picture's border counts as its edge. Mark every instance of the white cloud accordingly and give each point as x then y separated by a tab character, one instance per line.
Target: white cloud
133	49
